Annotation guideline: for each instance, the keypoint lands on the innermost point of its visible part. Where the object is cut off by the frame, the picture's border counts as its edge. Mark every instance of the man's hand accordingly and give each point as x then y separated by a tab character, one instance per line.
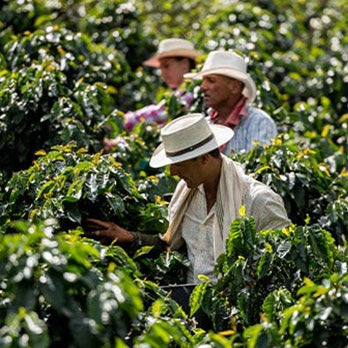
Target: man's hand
107	232
110	144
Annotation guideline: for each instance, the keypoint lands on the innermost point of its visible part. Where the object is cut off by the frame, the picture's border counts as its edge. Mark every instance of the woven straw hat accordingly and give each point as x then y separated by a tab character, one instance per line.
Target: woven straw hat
173	48
228	64
187	137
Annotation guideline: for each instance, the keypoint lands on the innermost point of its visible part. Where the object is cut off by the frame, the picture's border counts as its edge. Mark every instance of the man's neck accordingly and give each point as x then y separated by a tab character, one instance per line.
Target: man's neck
211	185
223	111
230	116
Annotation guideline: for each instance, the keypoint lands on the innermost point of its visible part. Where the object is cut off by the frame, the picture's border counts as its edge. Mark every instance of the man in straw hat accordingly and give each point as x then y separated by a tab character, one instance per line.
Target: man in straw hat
174	58
228	91
206	200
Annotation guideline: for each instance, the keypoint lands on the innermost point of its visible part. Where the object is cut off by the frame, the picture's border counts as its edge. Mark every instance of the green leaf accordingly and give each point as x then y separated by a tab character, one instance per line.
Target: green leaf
197	296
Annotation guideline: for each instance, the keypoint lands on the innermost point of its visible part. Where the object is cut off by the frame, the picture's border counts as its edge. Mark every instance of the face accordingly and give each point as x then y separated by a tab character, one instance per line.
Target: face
217	90
190	171
173	70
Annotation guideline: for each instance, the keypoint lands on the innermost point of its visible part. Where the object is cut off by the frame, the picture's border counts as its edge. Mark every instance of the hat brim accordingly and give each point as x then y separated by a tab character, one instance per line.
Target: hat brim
250	88
155	60
222	135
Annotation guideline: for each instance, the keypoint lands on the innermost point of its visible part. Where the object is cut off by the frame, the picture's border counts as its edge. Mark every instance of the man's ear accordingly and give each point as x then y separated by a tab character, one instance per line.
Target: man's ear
204	158
236	86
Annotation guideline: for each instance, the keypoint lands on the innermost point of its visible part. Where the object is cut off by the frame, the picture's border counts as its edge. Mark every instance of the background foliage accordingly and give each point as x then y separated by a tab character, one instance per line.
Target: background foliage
69	69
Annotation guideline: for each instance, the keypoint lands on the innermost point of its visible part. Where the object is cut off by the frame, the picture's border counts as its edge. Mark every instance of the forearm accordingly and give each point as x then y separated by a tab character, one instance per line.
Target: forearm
156	113
108	232
144	239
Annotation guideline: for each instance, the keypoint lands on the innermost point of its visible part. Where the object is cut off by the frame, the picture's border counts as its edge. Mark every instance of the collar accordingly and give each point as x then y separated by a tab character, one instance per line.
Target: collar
235	116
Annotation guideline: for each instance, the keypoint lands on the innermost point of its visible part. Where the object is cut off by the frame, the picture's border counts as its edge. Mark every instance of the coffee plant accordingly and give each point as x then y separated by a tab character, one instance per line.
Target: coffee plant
69	70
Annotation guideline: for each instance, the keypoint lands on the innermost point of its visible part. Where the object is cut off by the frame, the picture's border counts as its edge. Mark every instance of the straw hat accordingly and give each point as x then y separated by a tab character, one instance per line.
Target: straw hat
172	48
187	137
228	64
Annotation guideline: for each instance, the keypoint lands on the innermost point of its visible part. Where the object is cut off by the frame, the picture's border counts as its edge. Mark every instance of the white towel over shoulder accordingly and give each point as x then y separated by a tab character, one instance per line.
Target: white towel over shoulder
235	189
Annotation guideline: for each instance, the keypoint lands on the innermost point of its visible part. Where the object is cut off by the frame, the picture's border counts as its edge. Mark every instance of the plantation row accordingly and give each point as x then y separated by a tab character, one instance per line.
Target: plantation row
68	73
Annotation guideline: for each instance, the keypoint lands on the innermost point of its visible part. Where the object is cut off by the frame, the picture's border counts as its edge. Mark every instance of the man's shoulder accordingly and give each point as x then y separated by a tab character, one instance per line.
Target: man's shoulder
257	117
254	111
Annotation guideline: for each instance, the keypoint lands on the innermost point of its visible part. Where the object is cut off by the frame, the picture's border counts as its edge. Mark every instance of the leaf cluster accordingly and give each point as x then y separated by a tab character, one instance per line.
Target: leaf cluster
70	186
52	292
68	71
260	276
312	180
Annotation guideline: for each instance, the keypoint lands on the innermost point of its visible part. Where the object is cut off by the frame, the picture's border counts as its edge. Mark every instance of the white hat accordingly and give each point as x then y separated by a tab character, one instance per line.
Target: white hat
187	137
229	64
173	48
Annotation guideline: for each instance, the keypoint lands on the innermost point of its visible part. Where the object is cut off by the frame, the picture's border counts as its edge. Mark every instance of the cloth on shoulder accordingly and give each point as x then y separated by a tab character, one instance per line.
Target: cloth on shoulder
235	189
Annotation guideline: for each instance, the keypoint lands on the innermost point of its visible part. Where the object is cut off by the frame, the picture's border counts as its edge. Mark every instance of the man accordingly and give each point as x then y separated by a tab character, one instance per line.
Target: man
207	199
228	91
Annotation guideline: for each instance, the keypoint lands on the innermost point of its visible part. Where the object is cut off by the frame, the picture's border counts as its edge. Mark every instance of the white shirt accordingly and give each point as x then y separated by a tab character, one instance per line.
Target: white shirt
197	232
235	189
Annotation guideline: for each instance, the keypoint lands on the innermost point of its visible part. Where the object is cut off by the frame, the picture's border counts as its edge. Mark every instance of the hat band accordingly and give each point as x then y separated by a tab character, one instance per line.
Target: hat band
191	148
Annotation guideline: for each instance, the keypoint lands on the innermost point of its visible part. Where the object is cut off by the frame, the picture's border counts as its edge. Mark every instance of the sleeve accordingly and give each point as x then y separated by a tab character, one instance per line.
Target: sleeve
265	131
143	239
155	113
267	208
258	126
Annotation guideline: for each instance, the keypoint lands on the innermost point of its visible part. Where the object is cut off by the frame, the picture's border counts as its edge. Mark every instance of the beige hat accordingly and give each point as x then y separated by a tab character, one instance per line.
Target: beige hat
172	48
187	137
229	64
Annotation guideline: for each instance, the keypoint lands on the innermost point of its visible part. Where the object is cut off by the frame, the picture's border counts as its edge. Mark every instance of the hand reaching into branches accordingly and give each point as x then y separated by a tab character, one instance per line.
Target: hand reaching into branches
107	232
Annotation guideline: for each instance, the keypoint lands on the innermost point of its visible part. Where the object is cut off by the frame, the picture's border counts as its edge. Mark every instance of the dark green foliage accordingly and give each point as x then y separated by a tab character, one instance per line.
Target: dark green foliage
50	288
60	288
300	47
256	264
71	186
115	22
68	72
135	149
166	269
319	318
311	180
54	88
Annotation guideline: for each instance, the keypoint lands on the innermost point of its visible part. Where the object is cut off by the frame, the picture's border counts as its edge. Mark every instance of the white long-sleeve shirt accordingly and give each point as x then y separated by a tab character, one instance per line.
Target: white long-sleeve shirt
190	223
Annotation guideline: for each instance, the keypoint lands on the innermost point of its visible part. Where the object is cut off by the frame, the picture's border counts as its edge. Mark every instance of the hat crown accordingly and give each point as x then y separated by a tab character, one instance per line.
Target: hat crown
169	45
172	48
230	64
188	137
186	133
225	60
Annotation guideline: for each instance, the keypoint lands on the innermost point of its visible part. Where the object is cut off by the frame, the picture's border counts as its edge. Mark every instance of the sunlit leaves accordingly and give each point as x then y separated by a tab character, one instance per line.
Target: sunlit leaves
69	71
322	307
51	283
306	176
73	185
249	272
